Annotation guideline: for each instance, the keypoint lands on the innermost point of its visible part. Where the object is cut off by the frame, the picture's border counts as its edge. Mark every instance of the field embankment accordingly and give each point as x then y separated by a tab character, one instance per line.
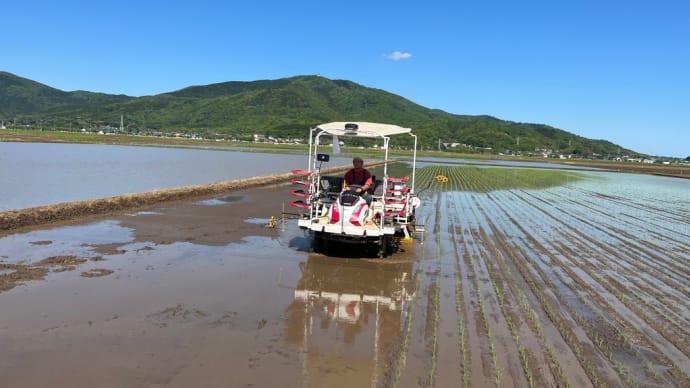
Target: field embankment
670	170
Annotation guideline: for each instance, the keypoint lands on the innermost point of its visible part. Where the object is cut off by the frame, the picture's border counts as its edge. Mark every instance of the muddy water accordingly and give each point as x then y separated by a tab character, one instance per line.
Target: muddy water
200	294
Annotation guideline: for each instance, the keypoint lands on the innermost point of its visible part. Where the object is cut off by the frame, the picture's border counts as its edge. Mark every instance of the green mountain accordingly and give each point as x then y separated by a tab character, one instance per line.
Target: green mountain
283	108
21	96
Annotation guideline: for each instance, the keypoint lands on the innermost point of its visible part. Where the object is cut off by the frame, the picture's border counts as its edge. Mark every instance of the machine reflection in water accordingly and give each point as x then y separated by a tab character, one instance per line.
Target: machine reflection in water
348	318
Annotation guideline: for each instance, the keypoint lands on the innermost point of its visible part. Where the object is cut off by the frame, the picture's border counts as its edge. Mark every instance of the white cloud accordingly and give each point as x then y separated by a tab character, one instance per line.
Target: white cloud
398	55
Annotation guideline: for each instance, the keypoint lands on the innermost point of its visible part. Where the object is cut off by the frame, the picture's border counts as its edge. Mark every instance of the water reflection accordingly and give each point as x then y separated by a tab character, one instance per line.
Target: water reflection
348	317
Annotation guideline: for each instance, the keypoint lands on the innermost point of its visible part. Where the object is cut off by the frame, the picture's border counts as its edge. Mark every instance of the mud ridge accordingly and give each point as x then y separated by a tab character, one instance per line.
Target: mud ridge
68	211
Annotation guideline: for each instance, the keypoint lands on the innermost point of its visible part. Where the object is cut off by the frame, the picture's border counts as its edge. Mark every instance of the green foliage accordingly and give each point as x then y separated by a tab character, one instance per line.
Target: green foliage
282	108
487	179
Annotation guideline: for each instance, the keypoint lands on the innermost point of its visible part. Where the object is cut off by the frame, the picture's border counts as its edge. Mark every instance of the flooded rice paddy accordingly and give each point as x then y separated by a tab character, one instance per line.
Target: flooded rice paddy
35	174
522	278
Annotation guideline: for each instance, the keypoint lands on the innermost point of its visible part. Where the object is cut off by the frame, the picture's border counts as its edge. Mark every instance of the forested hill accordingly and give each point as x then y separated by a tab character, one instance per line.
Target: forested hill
284	108
21	96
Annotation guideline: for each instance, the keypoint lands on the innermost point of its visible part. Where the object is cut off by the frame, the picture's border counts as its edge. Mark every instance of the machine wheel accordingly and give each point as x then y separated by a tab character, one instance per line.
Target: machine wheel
316	243
385	246
382	248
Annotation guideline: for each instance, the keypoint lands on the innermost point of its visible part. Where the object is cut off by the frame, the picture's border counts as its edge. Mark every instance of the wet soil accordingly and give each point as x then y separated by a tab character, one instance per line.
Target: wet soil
514	288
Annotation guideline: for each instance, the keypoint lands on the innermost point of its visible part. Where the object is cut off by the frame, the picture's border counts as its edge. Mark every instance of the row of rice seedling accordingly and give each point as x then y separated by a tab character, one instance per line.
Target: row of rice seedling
563	269
579	246
630	259
602	322
617	344
534	350
462	333
563	244
562	325
646	308
476	179
411	307
476	268
424	312
501	296
632	218
542	287
435	305
498	372
509	252
662	249
622	238
593	315
667	216
512	296
475	346
453	179
435	298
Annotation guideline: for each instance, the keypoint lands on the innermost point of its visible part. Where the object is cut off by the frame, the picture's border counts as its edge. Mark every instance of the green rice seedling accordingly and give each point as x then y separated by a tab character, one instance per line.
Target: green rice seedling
402	359
458	303
487	327
470	178
525	364
649	367
437	318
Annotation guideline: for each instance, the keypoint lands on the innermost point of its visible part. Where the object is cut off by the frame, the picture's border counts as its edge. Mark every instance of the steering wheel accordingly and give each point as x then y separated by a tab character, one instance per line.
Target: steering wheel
353	189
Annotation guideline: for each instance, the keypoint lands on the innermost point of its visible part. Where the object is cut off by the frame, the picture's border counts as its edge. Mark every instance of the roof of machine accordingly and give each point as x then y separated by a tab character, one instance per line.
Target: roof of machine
362	129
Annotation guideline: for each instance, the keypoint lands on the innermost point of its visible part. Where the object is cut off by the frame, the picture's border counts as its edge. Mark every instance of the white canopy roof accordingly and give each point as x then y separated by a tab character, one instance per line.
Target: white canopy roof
362	129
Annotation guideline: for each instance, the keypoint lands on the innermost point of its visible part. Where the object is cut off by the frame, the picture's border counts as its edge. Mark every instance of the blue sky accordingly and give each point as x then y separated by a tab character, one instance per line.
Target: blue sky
614	70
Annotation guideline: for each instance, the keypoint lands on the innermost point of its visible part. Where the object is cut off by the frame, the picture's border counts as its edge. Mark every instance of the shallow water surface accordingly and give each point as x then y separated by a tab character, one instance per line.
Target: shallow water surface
215	297
34	174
